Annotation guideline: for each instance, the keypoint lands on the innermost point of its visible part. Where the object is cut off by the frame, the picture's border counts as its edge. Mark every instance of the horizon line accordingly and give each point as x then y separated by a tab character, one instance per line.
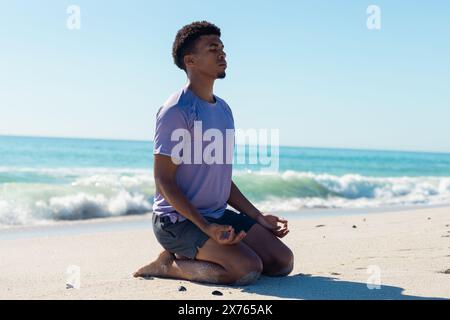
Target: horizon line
287	145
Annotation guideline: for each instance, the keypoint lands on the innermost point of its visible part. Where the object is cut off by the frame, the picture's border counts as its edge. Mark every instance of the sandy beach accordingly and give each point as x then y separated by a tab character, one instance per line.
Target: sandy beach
407	252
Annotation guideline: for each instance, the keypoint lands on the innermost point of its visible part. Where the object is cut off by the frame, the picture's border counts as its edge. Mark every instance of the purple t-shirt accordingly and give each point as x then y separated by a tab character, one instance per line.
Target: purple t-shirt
204	180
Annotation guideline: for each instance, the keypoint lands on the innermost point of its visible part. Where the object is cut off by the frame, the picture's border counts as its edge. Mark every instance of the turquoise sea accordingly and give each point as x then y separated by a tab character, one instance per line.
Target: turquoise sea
46	180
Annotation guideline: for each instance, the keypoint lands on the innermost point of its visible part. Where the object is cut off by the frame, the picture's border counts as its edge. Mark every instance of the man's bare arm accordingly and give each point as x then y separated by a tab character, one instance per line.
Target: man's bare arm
165	181
164	171
238	201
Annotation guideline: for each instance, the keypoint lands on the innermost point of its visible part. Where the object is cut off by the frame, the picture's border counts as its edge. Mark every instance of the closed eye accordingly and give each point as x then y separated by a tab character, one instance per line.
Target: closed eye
216	46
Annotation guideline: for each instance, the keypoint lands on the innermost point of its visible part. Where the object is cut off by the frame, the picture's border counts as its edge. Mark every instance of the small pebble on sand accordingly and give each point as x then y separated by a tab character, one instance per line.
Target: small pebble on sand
354	227
181	288
217	293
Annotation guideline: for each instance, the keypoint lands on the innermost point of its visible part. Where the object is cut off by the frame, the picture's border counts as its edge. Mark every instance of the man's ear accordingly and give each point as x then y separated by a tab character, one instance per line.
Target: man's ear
188	60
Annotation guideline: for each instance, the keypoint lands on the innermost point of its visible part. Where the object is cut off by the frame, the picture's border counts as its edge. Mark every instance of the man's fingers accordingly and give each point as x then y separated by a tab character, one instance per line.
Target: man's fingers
282	234
239	237
226	233
282	220
235	239
226	228
231	235
285	224
242	235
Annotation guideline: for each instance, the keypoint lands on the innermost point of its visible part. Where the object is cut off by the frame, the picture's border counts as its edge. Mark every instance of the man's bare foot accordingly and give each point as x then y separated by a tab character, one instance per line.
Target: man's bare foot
158	267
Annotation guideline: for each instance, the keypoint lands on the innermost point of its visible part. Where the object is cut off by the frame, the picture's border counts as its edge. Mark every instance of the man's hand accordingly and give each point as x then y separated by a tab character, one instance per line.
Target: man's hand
271	223
224	234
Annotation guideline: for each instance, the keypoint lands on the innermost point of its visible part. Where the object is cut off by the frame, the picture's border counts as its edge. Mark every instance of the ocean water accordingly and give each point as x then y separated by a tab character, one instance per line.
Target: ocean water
46	180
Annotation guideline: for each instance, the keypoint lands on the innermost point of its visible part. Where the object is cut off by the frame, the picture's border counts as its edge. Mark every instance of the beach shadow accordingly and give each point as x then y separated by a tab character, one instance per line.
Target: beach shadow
308	287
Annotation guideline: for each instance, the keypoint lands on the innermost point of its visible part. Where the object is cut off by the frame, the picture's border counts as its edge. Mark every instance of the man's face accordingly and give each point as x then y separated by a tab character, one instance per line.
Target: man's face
208	57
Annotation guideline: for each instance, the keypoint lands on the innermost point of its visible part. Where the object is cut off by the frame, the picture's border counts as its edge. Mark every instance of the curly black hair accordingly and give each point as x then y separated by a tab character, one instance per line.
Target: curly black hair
186	38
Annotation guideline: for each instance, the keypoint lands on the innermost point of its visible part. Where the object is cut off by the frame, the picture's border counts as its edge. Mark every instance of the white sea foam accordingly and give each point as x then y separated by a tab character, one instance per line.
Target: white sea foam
298	190
83	206
107	192
67	203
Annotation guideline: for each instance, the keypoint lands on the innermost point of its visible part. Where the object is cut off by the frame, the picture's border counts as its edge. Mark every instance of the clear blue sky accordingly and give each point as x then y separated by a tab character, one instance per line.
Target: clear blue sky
311	69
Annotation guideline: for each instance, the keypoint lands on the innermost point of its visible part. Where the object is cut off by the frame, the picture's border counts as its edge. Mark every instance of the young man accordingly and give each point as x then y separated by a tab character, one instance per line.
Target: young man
203	240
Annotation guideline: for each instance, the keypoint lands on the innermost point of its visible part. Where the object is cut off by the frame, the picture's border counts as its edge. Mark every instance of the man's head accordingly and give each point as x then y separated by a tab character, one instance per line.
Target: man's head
198	49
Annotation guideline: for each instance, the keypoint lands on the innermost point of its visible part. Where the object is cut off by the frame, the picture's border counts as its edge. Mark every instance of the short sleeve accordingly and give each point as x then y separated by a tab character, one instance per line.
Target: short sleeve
167	121
229	111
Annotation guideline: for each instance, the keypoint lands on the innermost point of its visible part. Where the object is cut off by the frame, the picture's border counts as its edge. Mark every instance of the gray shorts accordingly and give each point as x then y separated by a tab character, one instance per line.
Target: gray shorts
185	238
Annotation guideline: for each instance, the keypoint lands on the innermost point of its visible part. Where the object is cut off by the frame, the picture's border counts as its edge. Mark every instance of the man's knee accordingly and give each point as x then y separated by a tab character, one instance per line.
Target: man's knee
246	272
280	264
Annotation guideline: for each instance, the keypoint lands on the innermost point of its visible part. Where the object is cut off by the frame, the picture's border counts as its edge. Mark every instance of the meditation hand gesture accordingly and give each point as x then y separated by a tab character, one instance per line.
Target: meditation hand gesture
224	234
271	223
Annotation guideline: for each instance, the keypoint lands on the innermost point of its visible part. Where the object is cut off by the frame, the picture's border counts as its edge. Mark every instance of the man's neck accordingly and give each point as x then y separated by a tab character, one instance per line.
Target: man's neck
202	87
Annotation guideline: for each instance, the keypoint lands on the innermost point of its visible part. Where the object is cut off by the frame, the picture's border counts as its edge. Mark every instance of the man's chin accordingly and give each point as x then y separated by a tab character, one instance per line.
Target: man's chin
221	75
